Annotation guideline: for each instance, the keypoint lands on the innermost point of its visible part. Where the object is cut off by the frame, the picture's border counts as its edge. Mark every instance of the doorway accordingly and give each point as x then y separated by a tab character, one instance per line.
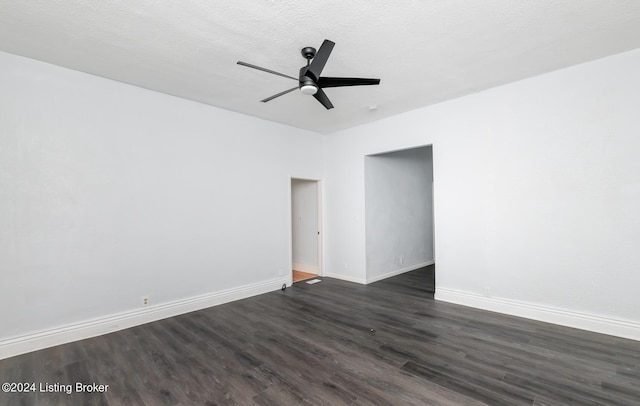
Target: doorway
399	219
306	225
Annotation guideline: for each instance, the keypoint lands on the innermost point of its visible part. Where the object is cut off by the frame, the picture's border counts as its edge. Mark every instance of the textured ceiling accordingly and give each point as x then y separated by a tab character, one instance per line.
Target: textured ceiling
424	51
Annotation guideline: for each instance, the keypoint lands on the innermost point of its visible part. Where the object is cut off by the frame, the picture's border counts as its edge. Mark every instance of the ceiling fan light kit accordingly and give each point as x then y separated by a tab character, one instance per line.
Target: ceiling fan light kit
309	80
308	89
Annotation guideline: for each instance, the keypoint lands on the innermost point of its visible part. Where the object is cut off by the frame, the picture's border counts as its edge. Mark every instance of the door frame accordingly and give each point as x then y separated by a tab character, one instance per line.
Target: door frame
319	190
433	201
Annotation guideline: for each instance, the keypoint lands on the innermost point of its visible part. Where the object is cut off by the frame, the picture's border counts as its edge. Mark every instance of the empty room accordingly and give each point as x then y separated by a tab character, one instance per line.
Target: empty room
332	203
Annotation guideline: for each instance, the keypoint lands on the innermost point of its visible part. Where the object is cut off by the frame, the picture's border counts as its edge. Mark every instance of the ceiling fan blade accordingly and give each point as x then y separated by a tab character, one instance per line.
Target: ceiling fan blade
279	94
316	66
339	82
248	65
322	98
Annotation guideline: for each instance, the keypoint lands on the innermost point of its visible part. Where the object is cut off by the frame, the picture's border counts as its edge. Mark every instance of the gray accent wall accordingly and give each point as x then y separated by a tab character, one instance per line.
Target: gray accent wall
398	211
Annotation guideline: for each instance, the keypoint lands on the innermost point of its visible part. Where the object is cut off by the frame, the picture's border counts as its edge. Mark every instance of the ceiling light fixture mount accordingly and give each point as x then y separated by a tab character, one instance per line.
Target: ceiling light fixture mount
308	53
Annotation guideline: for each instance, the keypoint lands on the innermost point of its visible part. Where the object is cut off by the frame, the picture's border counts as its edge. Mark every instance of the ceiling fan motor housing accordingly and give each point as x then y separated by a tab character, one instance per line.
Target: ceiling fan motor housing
307	85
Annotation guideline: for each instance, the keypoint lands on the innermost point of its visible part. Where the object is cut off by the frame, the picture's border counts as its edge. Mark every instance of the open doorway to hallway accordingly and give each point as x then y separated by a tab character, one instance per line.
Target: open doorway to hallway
305	229
399	218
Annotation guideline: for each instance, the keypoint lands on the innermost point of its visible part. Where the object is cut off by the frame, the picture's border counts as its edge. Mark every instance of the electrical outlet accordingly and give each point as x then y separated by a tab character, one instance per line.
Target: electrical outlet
401	259
145	300
487	291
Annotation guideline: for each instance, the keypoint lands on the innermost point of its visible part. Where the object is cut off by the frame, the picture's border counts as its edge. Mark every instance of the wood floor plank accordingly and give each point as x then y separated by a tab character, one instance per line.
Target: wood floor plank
387	343
299	276
490	391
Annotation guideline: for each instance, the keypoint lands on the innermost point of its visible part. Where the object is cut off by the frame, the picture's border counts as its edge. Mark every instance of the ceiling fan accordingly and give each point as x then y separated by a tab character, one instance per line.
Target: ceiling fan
309	80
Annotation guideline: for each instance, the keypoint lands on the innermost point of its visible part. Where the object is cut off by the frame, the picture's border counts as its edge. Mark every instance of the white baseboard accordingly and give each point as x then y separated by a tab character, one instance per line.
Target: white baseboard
108	324
598	324
346	278
398	272
379	277
309	268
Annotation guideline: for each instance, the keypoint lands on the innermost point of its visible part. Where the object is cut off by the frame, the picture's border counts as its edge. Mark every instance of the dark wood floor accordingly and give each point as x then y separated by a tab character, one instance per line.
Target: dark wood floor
337	343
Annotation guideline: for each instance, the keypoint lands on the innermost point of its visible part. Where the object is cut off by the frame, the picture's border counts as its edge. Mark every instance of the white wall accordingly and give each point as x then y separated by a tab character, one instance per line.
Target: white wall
398	212
110	192
537	190
304	224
